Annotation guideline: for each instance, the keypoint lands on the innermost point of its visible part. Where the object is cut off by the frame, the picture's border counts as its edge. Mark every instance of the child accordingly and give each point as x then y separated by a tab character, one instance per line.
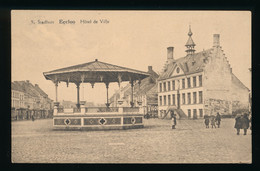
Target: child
173	116
212	121
206	121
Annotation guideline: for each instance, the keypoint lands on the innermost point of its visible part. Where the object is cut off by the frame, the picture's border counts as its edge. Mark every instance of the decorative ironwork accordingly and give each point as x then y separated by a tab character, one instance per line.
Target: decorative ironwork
133	120
100	109
130	109
67	121
59	122
113	121
102	121
76	110
60	110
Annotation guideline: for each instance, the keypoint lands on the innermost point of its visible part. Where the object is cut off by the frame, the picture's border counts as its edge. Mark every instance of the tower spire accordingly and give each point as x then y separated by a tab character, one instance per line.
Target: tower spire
190	43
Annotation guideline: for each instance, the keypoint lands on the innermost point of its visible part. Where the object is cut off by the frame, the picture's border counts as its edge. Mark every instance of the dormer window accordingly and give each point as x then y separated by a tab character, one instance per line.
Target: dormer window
178	70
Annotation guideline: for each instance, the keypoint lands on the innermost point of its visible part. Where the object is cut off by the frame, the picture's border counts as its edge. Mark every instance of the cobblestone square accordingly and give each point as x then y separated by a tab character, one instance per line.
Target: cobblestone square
191	142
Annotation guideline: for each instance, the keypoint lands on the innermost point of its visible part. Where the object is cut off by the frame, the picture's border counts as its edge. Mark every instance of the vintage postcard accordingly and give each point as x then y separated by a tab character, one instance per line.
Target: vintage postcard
104	86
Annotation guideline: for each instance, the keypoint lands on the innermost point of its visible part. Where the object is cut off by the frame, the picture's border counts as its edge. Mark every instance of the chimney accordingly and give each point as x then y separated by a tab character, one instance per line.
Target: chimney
215	40
36	85
170	54
27	81
150	68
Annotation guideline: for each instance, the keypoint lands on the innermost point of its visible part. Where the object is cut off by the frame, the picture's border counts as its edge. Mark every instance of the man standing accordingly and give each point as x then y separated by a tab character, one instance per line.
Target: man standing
173	116
244	123
218	119
238	123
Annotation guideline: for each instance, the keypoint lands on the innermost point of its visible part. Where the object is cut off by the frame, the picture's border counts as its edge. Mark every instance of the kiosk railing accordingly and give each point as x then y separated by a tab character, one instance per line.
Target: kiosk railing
100	109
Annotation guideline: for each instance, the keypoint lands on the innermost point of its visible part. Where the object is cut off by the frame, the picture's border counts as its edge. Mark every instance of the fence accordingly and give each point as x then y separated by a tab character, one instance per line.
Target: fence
26	114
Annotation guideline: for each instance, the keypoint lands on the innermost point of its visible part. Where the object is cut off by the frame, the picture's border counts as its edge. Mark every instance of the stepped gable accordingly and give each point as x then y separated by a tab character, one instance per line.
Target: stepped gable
189	64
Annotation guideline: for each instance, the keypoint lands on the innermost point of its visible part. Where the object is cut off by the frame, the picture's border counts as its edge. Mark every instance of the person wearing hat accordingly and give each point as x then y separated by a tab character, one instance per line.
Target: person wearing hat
218	119
206	117
173	116
244	123
238	123
213	121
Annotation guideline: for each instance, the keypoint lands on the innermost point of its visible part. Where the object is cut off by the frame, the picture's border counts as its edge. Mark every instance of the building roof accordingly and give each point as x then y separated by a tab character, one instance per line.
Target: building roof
30	89
237	82
146	84
16	86
93	72
40	90
189	64
27	88
190	42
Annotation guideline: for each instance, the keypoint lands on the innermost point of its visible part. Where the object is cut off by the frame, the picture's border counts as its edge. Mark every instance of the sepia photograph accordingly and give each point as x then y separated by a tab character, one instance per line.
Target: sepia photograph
131	86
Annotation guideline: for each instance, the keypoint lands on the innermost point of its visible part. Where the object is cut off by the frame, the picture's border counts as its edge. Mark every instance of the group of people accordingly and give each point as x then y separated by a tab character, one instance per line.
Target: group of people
213	120
242	122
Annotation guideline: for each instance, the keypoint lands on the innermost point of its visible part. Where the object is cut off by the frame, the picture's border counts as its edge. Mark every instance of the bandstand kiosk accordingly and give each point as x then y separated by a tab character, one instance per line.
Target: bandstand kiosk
96	118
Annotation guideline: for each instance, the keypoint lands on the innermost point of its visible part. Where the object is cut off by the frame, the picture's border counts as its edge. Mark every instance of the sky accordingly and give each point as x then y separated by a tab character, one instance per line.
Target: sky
133	39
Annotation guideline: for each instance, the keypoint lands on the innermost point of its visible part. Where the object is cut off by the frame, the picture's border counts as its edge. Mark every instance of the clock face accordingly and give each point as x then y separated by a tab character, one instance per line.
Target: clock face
178	70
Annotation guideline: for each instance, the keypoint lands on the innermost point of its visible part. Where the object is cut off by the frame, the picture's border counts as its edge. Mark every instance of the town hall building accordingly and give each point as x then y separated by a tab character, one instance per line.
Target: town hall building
200	83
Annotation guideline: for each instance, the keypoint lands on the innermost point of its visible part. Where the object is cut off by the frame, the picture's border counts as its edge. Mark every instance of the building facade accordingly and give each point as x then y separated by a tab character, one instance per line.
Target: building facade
28	99
18	99
200	83
145	94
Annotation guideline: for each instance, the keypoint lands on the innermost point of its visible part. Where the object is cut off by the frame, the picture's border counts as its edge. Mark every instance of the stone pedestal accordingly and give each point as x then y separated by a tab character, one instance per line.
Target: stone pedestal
55	110
82	109
56	105
120	106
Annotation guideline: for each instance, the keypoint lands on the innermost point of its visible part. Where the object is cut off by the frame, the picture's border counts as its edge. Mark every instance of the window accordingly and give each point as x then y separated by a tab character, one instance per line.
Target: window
173	85
160	87
194	113
160	100
200	97
201	113
200	80
183	98
183	83
164	86
194	82
188	80
189	113
178	70
169	99
189	99
169	85
164	99
194	97
173	99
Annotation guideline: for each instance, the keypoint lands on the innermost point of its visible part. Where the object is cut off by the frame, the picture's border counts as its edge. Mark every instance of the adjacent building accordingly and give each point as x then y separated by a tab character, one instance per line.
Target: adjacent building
26	96
145	94
200	83
17	96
